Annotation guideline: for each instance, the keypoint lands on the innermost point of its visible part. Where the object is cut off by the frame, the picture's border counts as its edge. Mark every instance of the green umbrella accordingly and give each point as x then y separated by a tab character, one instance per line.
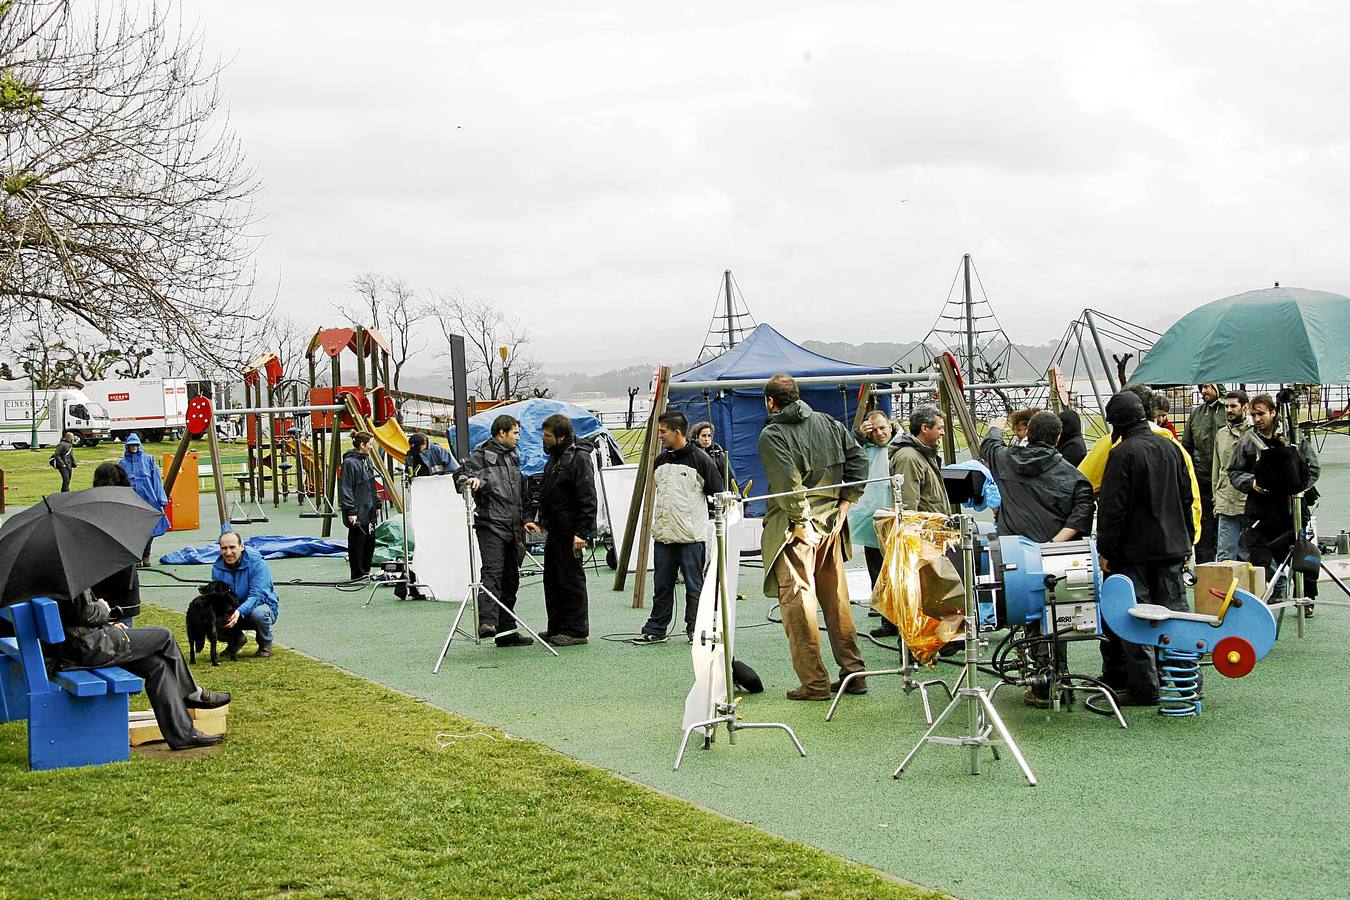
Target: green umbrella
1275	336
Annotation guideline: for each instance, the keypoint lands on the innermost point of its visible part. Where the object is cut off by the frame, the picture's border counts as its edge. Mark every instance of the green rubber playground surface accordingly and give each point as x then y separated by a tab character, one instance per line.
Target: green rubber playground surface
1246	800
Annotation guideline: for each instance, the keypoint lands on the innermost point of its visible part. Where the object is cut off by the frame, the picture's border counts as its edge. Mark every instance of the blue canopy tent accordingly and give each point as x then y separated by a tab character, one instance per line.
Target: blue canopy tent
532	414
738	414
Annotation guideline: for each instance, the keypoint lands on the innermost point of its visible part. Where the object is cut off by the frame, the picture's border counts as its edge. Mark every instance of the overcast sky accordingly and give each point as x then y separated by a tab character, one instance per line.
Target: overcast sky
593	167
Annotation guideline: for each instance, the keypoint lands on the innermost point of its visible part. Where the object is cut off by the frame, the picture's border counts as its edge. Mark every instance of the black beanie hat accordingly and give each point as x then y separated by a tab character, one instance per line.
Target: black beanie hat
1125	408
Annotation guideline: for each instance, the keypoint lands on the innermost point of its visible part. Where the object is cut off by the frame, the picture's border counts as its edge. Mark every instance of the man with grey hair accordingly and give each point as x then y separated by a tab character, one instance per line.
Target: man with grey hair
806	537
916	456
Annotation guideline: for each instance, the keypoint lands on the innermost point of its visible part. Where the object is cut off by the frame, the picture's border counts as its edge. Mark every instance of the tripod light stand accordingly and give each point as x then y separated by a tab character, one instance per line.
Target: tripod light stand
475	590
982	720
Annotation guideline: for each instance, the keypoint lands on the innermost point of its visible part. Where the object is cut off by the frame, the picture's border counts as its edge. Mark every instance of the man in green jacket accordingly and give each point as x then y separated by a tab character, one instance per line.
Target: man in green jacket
916	456
806	538
1202	425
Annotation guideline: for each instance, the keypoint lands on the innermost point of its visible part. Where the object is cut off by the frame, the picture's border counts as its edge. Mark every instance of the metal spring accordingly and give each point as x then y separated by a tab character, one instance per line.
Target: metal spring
1179	674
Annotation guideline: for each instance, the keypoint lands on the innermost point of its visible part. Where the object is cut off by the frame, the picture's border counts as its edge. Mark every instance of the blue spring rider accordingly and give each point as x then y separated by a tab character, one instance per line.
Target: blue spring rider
1241	633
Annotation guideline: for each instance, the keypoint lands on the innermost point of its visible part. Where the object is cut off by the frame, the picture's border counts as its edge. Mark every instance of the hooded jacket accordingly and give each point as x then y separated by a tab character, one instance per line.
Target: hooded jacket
500	498
1143	512
1093	465
1042	493
145	480
1228	500
567	498
800	448
1071	444
432	459
1202	425
251	581
923	490
685	479
357	497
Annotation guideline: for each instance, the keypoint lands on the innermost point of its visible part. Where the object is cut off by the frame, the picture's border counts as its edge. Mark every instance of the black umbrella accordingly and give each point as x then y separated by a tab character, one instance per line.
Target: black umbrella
68	542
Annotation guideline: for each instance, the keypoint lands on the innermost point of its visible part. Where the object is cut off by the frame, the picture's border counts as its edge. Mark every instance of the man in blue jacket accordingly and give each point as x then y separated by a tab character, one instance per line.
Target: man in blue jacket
249	576
147	483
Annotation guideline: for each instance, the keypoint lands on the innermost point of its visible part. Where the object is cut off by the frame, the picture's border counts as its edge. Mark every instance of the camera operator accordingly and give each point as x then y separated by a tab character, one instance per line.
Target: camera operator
492	473
567	510
428	458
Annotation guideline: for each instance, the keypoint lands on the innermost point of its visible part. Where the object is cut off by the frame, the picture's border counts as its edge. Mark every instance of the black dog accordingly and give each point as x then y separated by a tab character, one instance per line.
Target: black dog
206	617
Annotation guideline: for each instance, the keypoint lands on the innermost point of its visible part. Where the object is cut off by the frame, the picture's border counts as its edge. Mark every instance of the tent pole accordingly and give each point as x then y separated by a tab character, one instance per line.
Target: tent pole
1101	352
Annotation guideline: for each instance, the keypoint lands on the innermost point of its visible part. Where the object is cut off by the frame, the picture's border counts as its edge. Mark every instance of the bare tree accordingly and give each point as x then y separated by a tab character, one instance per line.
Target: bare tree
289	340
388	304
124	195
486	329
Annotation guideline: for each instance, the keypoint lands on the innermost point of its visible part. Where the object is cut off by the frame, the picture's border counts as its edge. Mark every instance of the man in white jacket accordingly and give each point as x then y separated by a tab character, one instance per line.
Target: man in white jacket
685	478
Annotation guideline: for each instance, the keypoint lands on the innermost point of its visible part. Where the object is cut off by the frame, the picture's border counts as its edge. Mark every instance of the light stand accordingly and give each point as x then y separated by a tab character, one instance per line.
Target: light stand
726	708
982	719
406	578
907	666
475	589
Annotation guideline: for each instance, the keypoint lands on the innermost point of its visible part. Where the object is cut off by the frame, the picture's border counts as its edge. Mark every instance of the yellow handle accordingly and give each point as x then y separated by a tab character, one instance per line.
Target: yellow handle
1228	599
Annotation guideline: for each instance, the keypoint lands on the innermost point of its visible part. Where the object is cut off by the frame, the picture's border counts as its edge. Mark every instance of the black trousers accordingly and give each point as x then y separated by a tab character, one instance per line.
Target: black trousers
500	573
65	479
155	657
360	548
874	562
1134	667
565	588
1206	549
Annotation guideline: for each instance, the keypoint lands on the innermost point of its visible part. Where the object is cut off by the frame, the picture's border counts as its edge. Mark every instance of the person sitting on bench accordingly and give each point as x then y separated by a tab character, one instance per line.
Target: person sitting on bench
93	640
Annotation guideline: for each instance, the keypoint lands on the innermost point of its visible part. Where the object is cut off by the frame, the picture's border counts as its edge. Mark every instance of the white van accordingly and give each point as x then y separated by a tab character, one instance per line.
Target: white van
154	408
59	410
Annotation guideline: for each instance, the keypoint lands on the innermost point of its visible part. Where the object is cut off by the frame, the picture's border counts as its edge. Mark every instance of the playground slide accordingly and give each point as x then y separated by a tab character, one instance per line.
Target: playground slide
392	439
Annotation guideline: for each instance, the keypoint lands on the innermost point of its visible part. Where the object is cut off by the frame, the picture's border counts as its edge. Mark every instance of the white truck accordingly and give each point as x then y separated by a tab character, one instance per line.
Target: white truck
59	410
154	408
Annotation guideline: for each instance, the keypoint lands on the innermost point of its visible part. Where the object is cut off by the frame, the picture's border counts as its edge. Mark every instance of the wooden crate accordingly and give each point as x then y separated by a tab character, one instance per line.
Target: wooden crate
145	730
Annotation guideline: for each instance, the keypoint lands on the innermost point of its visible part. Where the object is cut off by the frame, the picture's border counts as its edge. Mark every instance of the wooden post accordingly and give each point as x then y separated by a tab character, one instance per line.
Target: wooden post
865	402
217	477
640	485
953	399
649	486
171	476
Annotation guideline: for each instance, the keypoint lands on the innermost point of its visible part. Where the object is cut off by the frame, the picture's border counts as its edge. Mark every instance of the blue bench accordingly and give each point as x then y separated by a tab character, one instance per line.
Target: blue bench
76	718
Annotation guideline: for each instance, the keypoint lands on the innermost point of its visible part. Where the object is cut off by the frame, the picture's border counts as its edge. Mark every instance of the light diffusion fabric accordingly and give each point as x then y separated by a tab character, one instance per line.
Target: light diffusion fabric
918	588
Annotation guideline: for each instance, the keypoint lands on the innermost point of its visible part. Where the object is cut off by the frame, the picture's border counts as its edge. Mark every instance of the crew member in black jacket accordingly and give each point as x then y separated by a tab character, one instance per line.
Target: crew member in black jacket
492	472
1145	531
567	508
360	505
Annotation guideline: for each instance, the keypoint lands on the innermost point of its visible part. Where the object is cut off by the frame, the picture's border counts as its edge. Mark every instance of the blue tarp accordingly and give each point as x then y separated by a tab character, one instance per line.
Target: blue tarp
532	414
271	546
738	415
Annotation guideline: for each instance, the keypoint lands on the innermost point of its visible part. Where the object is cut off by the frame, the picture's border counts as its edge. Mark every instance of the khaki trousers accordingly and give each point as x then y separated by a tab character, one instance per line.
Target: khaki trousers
811	578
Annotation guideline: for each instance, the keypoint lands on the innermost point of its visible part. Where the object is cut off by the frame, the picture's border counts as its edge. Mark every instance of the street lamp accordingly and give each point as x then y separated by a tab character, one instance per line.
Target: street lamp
506	372
32	349
170	357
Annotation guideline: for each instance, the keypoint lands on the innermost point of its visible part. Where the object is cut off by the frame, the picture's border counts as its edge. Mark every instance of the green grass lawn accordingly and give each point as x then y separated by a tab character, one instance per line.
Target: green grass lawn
28	476
332	786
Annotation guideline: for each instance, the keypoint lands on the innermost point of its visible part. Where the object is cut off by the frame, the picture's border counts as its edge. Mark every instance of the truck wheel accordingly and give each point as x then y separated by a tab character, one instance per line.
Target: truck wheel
91	442
80	440
155	434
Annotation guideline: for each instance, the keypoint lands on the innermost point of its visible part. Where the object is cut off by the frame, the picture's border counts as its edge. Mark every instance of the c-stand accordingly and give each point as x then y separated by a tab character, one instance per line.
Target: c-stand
982	719
475	589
